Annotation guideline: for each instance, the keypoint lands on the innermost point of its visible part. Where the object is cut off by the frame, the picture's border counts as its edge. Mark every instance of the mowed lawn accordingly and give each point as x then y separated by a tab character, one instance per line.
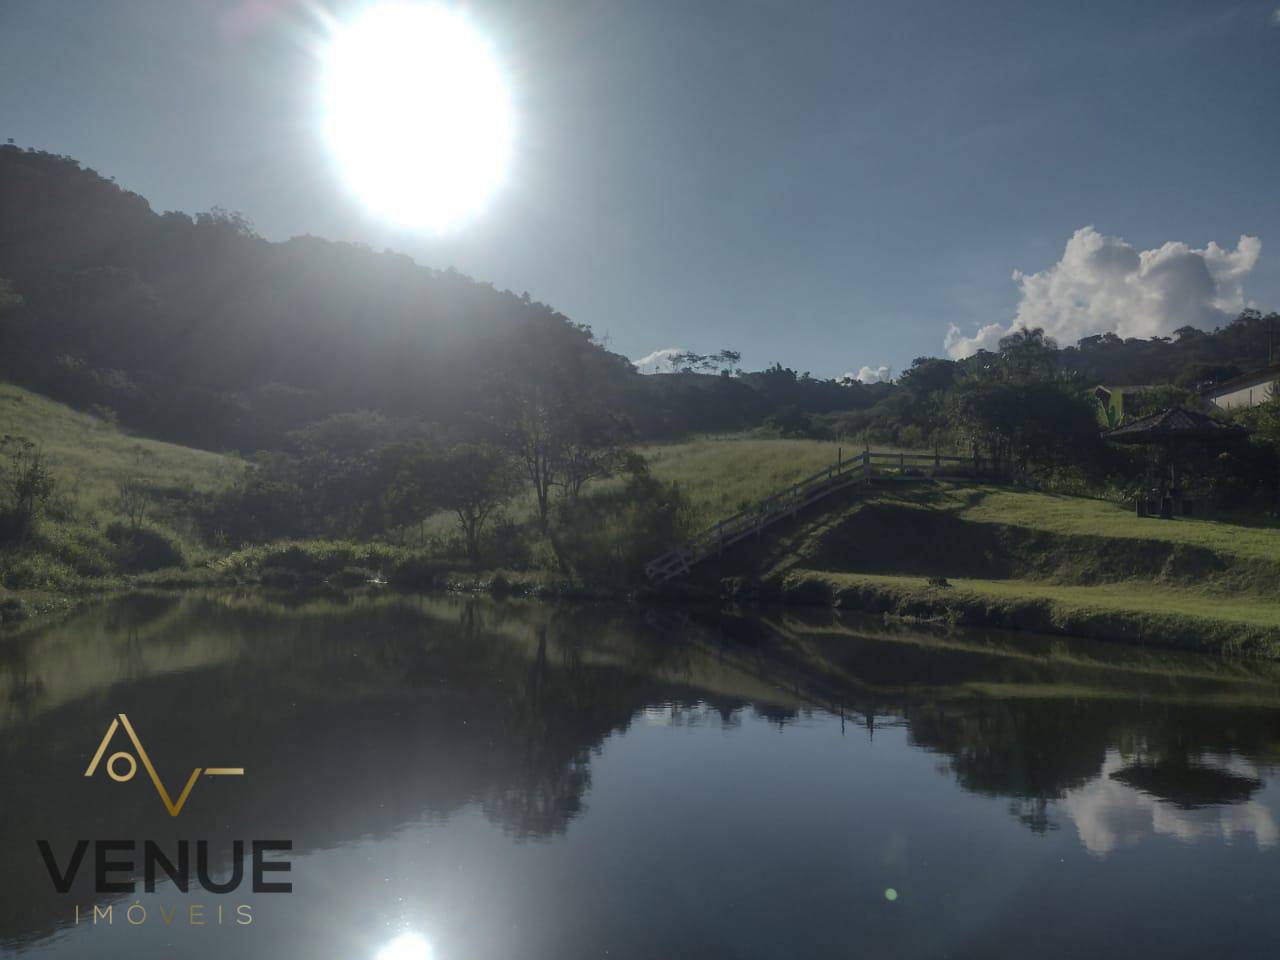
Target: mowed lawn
87	455
1078	515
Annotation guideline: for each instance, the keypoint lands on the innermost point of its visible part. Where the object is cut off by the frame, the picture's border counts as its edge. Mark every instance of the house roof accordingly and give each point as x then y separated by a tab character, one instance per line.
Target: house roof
1244	380
1171	424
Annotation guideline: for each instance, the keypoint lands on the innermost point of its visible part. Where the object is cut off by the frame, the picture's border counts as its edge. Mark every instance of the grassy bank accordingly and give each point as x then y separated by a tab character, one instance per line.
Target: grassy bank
1003	557
1166	616
83	543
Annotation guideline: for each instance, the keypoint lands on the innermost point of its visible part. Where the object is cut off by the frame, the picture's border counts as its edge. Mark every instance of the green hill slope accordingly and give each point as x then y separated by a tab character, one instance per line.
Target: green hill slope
82	540
87	455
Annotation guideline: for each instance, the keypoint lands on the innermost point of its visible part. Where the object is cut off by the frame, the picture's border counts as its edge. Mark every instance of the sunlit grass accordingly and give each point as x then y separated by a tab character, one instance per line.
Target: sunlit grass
1078	515
724	474
87	455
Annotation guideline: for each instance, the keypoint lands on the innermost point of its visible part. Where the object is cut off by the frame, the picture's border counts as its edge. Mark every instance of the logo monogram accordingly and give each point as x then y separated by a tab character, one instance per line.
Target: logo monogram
122	766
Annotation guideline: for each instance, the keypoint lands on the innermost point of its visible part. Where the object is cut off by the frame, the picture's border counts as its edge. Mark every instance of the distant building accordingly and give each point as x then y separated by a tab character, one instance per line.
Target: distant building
1247	390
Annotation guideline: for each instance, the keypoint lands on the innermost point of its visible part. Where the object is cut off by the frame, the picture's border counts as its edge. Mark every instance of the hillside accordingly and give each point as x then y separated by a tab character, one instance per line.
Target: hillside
197	330
87	454
88	536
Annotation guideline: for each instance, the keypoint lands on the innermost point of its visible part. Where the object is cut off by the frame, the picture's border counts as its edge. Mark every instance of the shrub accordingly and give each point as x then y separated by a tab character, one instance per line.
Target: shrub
144	548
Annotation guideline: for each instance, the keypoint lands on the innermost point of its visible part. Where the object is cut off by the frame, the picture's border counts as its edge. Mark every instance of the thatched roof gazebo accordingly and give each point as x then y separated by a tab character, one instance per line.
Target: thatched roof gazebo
1173	426
1171	430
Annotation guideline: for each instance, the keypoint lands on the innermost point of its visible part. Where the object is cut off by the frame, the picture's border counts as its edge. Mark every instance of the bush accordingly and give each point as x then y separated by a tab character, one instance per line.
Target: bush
610	535
144	548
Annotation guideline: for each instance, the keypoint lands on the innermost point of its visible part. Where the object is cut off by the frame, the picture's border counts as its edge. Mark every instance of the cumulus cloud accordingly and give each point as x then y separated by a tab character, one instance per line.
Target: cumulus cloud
881	374
1107	814
658	360
1104	284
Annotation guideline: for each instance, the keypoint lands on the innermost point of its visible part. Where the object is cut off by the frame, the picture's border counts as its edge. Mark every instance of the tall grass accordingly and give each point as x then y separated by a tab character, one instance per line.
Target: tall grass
87	455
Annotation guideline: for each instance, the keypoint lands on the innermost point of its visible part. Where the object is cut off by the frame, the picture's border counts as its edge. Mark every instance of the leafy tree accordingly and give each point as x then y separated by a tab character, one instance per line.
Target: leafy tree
410	496
474	480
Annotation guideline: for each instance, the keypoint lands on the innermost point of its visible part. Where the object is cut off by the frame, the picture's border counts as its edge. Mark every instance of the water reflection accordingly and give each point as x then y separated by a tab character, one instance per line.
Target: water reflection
1129	802
525	779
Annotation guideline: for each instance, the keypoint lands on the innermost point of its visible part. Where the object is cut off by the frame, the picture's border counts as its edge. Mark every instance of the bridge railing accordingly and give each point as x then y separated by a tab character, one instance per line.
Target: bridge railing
786	502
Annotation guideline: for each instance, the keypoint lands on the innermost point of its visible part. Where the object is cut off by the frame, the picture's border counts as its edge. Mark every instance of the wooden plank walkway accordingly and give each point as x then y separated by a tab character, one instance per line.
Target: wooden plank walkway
841	475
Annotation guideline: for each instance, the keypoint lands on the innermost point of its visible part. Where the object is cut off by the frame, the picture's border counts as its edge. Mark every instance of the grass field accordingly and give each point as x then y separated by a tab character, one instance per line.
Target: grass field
722	474
1076	515
87	454
81	543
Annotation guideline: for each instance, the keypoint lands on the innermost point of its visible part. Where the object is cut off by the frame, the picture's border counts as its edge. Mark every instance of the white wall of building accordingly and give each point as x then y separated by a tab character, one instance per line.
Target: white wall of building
1246	396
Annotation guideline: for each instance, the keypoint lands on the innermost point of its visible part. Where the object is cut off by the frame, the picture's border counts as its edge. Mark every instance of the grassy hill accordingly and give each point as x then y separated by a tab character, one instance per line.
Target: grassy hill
87	455
725	473
83	543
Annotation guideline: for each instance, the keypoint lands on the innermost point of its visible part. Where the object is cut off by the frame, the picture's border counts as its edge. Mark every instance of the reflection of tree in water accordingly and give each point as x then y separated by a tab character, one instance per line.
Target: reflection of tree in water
1187	785
429	706
1033	749
545	791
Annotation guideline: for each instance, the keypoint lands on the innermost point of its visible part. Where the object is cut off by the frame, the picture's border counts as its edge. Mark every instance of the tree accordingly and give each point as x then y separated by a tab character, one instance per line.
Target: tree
555	408
474	480
133	493
409	497
1027	353
594	447
26	483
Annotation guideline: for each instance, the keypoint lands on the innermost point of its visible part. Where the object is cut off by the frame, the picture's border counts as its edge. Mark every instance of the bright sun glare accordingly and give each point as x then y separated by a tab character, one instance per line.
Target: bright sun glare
417	113
407	946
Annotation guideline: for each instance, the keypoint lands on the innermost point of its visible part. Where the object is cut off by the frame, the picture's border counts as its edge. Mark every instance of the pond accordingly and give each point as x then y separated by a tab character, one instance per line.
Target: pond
465	778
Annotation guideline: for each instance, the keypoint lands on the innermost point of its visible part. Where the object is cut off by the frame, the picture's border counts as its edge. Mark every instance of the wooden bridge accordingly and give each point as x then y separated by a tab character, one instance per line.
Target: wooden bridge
841	475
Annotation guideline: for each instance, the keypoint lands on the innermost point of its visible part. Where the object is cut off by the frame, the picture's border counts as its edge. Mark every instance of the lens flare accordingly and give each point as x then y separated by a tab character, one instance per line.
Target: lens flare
416	113
407	946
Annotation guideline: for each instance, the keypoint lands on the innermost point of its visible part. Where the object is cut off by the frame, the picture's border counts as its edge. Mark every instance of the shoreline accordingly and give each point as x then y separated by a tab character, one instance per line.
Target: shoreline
1015	606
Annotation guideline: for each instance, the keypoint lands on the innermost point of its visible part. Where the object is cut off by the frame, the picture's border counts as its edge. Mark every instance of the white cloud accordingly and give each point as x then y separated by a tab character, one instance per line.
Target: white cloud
658	360
881	374
1275	17
1104	284
1108	814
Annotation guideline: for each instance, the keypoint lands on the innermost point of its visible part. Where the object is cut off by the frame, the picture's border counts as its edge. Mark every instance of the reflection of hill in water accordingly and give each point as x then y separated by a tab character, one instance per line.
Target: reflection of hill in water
356	717
1189	786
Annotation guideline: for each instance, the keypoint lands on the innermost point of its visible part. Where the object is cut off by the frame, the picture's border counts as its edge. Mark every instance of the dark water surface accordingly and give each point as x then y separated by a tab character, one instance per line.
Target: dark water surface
480	779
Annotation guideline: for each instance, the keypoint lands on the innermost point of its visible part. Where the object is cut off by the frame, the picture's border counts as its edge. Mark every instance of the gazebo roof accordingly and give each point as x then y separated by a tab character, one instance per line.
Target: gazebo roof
1172	424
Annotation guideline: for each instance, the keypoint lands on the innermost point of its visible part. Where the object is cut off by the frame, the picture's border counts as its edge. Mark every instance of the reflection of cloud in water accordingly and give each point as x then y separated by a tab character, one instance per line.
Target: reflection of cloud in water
1107	814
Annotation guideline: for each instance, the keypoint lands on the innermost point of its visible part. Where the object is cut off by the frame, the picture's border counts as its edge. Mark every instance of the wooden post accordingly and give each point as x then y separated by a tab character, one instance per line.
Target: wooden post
902	462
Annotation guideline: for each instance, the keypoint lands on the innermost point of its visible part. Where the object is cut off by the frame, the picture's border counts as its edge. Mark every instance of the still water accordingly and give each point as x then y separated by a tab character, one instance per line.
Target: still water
513	779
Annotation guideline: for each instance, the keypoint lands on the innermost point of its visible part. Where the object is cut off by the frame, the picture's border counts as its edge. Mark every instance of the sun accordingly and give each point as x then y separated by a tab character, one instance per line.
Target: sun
416	113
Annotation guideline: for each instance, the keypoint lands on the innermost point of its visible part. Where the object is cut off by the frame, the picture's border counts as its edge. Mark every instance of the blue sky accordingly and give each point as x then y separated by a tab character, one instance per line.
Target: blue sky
827	184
